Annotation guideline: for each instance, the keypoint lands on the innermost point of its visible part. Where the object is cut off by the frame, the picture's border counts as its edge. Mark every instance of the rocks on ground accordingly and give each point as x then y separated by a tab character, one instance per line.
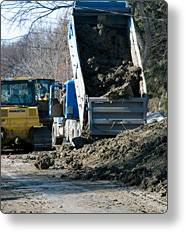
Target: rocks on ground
44	161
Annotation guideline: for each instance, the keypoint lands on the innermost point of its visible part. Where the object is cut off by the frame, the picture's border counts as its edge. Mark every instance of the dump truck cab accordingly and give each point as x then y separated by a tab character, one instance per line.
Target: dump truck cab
63	109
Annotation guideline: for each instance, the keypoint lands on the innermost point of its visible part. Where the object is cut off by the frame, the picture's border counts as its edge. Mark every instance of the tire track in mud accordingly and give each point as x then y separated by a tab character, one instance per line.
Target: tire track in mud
39	194
74	199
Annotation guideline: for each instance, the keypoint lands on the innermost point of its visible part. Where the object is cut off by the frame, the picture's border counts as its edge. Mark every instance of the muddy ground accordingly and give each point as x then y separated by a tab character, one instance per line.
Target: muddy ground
136	158
125	174
106	62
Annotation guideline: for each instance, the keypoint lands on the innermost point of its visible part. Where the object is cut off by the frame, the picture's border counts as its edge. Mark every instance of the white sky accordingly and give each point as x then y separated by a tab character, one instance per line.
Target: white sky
8	32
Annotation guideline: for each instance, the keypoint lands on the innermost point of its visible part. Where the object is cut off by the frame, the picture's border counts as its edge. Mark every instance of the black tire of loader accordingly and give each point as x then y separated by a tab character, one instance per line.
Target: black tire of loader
42	139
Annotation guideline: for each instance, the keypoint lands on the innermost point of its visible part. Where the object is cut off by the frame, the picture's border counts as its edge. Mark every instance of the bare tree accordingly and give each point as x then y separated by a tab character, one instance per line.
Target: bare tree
144	41
141	41
42	52
23	11
148	40
11	54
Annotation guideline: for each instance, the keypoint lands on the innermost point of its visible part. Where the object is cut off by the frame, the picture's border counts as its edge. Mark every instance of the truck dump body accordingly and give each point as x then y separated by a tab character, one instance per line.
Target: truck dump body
106	118
107	67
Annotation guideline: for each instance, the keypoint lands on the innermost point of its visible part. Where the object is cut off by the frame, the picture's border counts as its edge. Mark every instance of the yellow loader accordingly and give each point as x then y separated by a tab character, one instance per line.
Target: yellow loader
20	124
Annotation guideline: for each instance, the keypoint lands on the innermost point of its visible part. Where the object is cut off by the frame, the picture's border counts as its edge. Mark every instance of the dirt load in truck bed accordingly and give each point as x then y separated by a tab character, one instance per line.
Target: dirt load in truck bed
136	157
106	62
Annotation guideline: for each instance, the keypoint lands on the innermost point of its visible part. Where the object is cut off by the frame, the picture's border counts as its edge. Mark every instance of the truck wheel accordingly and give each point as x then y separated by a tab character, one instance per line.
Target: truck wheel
59	141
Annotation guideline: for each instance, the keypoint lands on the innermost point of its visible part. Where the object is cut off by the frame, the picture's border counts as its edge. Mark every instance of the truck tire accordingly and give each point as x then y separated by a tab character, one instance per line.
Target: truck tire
59	141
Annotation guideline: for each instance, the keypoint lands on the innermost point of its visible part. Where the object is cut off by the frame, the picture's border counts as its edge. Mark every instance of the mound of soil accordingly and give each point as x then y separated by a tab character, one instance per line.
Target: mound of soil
106	62
44	161
136	157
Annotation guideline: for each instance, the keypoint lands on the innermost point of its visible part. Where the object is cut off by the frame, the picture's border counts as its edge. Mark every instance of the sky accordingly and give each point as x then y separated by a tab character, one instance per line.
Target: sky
11	33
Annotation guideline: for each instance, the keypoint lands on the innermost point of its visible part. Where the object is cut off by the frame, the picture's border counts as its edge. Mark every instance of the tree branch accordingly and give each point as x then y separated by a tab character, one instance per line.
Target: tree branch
148	41
30	10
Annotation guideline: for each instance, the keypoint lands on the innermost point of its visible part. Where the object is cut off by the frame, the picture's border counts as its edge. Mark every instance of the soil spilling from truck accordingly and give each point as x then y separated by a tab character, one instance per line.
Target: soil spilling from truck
136	157
106	62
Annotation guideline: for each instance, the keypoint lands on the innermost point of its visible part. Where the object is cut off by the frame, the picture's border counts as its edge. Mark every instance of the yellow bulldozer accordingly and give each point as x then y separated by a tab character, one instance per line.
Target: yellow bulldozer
20	122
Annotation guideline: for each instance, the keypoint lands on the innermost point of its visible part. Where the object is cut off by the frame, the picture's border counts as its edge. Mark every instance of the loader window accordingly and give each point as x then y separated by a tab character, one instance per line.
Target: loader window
41	91
17	93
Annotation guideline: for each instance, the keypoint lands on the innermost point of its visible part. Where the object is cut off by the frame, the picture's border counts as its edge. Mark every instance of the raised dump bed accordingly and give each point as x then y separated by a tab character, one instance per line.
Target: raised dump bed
109	80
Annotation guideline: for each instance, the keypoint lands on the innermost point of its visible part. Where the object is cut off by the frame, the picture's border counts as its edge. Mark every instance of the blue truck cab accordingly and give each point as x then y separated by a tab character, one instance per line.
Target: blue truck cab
64	111
68	107
71	106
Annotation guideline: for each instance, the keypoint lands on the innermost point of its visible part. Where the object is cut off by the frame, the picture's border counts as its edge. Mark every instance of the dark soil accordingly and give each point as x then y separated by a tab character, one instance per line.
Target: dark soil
106	62
44	161
136	157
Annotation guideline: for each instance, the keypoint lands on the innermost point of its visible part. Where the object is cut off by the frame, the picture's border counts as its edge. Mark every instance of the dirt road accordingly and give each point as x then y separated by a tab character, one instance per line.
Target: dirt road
25	189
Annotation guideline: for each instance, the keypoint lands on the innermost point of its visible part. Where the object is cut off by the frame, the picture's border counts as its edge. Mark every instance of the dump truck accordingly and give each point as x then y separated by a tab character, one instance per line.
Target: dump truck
20	123
102	42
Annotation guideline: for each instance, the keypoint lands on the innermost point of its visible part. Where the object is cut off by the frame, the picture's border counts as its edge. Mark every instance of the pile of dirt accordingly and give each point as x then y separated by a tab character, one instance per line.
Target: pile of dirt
106	62
44	161
136	157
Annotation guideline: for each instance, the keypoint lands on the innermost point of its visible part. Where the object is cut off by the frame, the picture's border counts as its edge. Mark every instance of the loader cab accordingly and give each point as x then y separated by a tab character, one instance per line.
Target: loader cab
17	92
42	88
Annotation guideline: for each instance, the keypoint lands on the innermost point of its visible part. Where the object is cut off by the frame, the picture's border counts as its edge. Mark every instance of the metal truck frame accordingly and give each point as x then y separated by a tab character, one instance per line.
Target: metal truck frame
104	117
